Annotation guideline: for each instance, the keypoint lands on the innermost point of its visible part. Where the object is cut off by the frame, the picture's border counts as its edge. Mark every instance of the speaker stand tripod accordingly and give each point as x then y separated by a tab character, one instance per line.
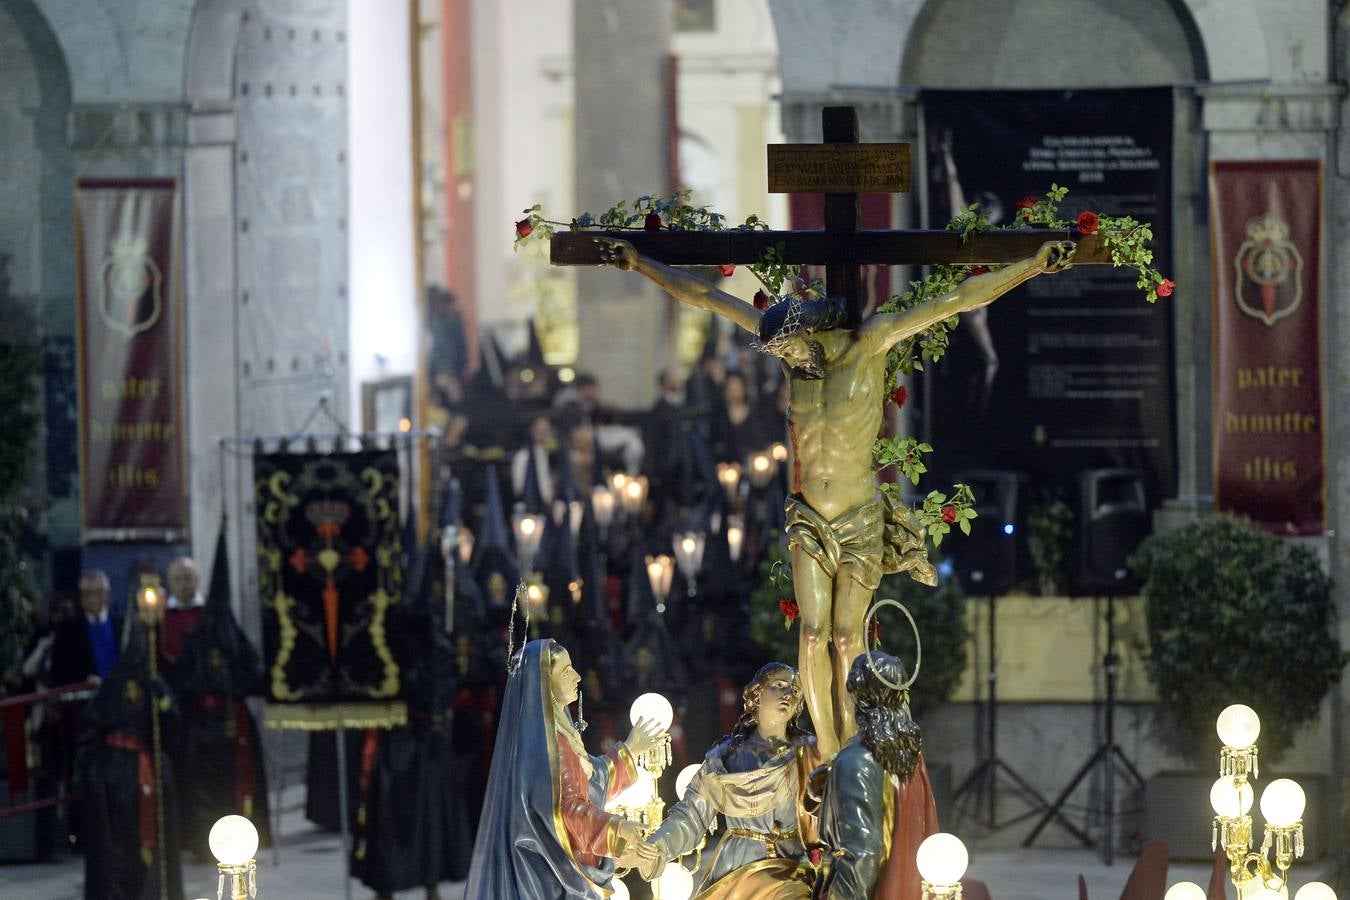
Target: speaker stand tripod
1108	755
984	778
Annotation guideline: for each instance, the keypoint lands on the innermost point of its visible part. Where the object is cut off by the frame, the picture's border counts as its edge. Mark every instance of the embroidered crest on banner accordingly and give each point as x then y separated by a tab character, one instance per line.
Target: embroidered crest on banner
1269	283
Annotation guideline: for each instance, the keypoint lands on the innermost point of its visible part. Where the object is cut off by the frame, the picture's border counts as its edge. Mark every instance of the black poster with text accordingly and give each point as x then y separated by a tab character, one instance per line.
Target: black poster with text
1070	371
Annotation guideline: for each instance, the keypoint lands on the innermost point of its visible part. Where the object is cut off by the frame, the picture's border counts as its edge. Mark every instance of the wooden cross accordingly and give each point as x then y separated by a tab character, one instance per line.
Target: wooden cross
841	246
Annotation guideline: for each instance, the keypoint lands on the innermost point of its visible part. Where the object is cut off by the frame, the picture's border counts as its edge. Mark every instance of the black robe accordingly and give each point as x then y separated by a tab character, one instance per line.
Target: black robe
219	754
412	826
115	775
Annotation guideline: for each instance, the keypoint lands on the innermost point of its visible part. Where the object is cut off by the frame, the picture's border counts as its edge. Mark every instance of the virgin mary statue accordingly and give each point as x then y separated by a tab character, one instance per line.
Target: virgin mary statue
544	833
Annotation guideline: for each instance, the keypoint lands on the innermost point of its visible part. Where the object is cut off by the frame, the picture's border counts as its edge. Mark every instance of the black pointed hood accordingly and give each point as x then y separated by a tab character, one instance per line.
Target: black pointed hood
218	657
123	699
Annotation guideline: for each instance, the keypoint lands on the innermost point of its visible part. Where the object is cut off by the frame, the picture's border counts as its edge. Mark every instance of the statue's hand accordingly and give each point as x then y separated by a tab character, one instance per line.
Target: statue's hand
645	735
620	254
631	835
1055	256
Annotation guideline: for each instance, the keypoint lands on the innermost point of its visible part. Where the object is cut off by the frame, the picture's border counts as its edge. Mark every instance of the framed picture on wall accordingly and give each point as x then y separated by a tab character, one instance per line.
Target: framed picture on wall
387	404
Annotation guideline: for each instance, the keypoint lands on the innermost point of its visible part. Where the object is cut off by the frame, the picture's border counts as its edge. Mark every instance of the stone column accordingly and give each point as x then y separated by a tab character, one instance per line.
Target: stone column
212	325
1336	352
290	237
620	48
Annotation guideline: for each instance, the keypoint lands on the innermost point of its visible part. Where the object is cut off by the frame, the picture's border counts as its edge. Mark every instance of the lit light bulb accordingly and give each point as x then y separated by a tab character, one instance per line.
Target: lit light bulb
675	883
1230	801
1270	893
682	780
527	525
687	544
653	707
1239	726
942	859
760	463
1185	890
233	840
1315	890
779	452
1282	803
633	489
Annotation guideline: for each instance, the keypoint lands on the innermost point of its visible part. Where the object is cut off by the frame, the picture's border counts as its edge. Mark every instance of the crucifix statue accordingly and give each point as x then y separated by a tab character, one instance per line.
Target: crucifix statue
843	534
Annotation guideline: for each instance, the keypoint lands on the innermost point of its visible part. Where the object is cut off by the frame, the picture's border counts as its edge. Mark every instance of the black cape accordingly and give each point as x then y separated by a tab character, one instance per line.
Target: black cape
412	826
219	754
114	773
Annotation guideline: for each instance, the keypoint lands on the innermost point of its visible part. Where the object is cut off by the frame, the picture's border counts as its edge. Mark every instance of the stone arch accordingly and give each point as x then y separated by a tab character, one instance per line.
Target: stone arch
37	297
208	65
1159	45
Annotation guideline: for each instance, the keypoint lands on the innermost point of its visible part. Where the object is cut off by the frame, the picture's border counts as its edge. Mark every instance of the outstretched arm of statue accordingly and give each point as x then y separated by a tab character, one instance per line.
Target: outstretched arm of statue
682	286
686	823
885	330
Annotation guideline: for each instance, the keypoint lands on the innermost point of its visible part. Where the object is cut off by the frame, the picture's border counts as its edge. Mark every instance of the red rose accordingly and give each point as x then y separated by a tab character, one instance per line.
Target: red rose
523	228
652	222
899	396
979	270
1026	203
788	607
1165	287
949	514
761	300
815	856
1087	222
727	271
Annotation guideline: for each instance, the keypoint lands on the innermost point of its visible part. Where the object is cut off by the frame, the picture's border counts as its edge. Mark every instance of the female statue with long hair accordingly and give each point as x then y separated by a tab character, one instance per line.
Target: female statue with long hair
755	777
544	833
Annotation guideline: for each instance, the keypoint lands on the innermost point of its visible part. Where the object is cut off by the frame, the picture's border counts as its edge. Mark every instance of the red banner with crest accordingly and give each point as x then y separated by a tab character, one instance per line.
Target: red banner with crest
1266	243
133	474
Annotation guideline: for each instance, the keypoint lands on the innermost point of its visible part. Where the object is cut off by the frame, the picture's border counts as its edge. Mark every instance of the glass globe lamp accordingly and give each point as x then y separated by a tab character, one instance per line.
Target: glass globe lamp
654	707
1282	803
675	883
1239	726
682	780
1230	801
942	860
1185	890
233	841
1315	890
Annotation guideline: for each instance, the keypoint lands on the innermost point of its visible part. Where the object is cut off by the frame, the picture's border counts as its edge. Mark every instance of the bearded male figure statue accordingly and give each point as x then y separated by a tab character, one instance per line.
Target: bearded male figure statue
877	804
842	533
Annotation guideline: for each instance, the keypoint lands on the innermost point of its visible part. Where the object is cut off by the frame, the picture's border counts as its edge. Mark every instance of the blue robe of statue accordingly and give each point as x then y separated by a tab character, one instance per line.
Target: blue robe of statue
522	849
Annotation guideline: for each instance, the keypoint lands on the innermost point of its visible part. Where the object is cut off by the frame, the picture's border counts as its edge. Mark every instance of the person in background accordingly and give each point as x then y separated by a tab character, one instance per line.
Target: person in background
182	611
86	645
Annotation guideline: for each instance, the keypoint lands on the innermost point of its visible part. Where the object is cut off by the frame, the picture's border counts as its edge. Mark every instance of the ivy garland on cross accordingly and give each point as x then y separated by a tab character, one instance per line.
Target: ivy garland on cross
1126	238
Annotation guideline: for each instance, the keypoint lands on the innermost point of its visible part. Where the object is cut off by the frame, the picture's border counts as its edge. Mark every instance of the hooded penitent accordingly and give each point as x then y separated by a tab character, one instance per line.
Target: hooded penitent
129	827
219	755
412	827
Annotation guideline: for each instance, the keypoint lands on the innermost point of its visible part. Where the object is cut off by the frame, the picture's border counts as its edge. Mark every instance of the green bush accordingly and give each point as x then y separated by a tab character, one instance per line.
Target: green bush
939	612
1235	615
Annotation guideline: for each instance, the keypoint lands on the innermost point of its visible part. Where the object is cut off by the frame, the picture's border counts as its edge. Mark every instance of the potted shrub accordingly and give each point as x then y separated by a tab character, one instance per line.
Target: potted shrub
1050	532
1234	615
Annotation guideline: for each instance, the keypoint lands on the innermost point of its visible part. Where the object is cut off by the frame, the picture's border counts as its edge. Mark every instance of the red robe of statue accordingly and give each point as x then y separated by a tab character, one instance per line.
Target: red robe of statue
591	831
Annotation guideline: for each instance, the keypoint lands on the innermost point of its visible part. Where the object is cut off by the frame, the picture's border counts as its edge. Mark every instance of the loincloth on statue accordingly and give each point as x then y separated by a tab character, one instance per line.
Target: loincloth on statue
872	539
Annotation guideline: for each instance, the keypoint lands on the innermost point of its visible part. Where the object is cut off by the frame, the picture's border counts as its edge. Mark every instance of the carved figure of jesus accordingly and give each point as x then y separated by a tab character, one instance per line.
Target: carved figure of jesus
843	533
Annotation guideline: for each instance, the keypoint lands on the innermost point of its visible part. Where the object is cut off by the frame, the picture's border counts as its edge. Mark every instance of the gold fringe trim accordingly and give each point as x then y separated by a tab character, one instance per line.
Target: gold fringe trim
330	717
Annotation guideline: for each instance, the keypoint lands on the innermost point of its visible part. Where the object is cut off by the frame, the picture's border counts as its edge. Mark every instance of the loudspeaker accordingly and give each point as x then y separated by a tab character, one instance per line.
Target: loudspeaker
1113	517
986	560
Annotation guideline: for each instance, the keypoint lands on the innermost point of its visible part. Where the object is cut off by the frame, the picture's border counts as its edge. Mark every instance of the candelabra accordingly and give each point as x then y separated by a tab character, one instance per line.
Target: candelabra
641	801
729	476
234	841
941	861
1282	804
